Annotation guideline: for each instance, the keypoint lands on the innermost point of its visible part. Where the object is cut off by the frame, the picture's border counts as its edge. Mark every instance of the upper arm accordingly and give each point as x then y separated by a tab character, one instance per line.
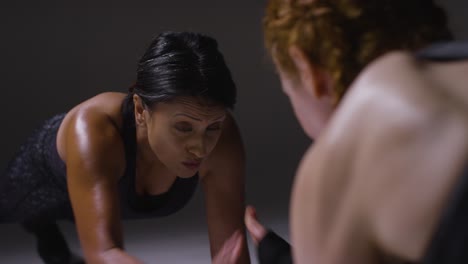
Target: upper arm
404	191
95	161
307	225
327	225
223	184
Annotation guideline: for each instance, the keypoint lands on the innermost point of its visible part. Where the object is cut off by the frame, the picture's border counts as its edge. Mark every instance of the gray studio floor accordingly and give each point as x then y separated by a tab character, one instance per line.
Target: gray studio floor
180	238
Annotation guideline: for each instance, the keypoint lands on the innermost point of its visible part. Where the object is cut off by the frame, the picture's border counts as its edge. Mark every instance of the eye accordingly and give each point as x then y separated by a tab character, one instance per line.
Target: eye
214	127
183	127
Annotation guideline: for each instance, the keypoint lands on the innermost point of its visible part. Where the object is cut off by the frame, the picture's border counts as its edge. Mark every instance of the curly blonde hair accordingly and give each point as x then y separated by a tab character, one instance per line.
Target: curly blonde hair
343	36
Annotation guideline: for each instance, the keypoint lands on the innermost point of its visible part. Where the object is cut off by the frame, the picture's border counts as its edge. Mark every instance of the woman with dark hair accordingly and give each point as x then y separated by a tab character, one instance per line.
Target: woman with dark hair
135	155
382	89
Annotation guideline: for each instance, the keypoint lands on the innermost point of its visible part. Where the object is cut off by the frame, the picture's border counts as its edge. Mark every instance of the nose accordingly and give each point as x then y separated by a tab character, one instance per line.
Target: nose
198	148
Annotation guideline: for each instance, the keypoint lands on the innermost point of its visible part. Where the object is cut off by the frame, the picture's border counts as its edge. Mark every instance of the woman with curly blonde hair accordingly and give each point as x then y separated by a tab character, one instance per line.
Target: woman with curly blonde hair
382	89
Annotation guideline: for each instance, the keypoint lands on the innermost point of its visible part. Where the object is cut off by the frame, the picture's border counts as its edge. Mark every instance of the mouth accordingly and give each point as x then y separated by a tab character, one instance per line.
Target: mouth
192	165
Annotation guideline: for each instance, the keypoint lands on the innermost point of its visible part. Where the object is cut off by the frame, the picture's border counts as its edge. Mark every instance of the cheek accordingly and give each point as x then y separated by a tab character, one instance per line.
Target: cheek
164	144
301	104
304	111
287	85
211	141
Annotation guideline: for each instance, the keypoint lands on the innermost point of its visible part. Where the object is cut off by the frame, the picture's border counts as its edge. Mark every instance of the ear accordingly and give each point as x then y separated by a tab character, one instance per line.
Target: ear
312	78
139	109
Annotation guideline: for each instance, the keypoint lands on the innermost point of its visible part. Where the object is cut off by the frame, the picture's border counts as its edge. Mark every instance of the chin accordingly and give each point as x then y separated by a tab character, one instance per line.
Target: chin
311	133
186	173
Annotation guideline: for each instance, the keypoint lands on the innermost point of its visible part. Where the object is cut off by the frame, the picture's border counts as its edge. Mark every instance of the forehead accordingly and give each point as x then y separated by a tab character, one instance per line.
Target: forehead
192	105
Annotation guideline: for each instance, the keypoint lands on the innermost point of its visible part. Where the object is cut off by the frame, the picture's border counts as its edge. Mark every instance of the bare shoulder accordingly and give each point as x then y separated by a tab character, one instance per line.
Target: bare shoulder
107	103
96	122
385	69
400	69
401	108
330	190
393	99
384	141
421	83
94	153
411	134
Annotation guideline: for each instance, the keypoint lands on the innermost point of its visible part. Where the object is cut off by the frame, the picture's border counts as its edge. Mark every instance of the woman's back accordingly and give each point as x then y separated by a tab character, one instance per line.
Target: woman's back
402	133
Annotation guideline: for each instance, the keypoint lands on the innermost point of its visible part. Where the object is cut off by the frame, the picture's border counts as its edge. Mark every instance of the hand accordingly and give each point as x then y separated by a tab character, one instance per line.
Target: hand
230	252
256	230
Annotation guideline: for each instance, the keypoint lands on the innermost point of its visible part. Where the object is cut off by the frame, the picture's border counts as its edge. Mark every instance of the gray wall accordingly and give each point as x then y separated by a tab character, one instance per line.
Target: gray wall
54	55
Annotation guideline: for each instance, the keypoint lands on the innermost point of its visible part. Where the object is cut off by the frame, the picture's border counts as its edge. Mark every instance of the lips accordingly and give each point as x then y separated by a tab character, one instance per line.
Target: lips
192	164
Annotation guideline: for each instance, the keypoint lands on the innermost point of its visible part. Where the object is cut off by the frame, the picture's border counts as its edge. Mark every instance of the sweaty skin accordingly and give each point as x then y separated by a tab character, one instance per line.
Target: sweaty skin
90	143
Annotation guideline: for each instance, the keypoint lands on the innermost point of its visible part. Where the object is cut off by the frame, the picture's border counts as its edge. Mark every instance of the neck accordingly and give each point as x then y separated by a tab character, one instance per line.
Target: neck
144	154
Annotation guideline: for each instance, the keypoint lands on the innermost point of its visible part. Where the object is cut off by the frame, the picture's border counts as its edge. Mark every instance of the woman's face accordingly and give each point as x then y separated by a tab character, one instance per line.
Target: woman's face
183	132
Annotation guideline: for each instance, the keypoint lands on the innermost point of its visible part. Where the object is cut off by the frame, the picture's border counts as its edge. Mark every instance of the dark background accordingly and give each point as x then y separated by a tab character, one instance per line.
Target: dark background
55	55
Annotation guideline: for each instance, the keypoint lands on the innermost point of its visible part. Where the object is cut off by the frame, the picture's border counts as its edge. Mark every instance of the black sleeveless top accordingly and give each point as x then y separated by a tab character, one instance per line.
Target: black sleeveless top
142	206
445	51
132	205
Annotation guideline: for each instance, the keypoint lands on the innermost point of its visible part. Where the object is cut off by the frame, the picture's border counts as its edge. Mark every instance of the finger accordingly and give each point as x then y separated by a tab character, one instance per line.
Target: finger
236	251
231	242
256	230
229	252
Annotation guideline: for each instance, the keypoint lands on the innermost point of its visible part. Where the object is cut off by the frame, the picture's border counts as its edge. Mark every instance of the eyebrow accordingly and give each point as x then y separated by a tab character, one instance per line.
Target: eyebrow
197	119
